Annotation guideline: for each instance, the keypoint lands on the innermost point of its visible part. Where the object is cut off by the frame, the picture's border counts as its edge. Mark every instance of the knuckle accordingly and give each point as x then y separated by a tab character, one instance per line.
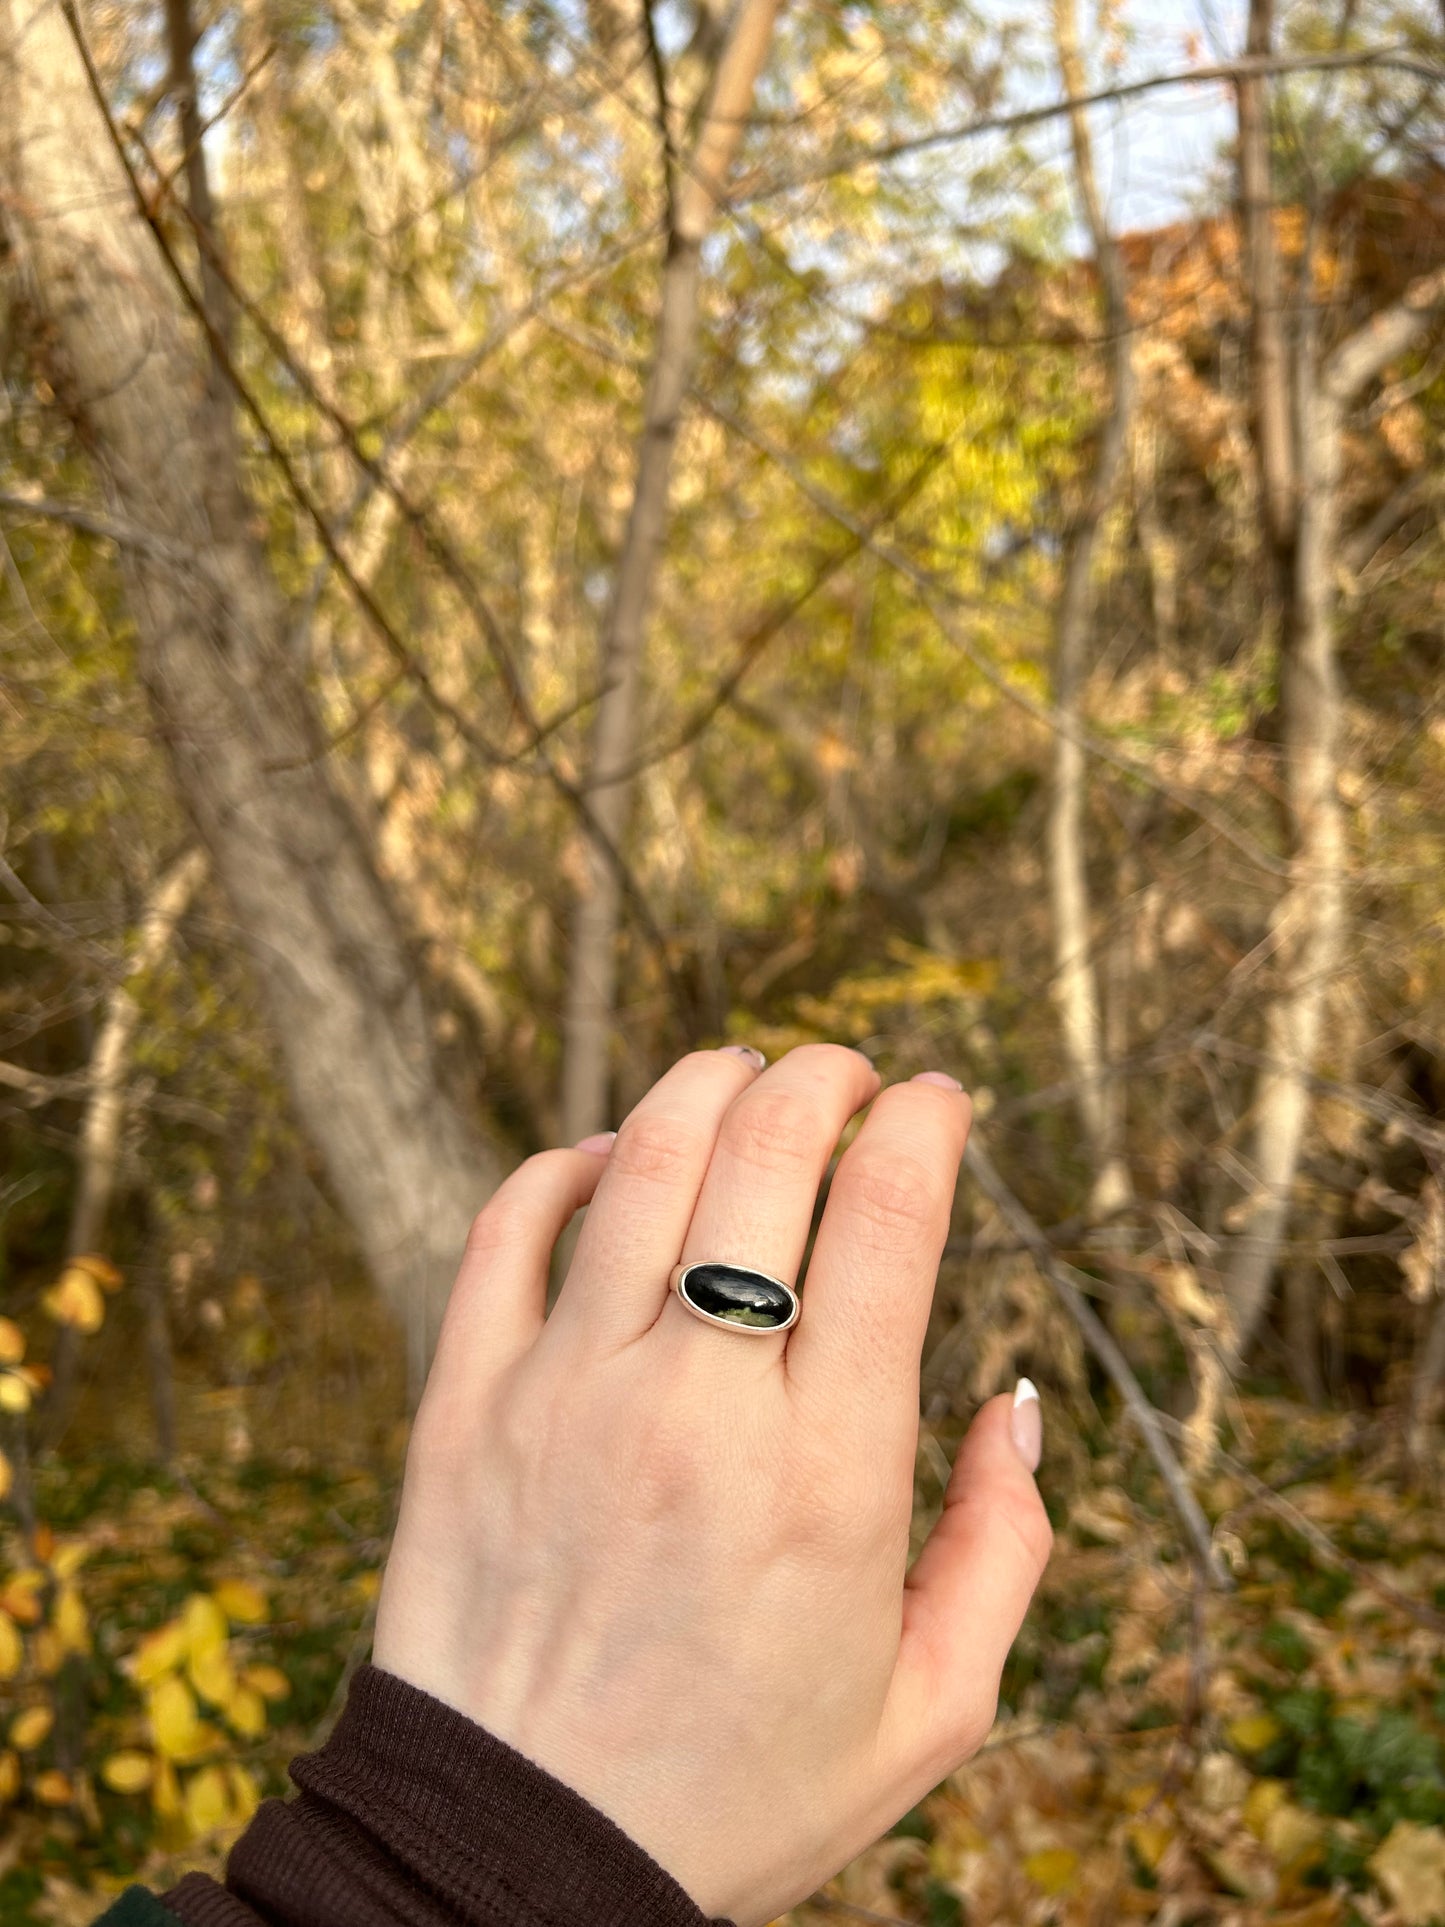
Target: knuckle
770	1129
654	1150
497	1227
897	1195
974	1727
827	1058
1026	1522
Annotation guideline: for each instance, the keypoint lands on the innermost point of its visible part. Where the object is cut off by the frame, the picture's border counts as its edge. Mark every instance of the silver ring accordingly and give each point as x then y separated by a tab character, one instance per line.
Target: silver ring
736	1297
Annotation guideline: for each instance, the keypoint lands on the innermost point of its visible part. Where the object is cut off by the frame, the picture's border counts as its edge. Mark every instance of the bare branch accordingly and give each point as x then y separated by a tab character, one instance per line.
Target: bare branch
414	667
1396	58
1100	1341
933	592
776	620
1319	1541
664	113
90	521
1383	339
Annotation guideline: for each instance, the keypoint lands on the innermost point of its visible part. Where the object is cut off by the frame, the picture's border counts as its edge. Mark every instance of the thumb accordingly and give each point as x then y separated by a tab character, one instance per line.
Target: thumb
967	1592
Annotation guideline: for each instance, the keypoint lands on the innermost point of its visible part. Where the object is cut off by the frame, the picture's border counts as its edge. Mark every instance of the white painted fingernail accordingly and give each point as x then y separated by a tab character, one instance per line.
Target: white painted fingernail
754	1057
1026	1423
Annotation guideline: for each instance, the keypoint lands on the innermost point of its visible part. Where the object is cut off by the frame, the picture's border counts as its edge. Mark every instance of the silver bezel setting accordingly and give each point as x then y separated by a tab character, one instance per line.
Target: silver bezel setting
679	1272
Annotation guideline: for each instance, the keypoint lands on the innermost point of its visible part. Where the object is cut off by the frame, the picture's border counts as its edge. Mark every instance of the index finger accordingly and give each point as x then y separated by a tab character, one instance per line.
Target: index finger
870	1283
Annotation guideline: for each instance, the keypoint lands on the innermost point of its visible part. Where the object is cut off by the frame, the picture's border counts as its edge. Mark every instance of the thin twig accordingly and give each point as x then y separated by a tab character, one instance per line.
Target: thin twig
1319	1540
1100	1342
476	604
932	590
1398	57
89	521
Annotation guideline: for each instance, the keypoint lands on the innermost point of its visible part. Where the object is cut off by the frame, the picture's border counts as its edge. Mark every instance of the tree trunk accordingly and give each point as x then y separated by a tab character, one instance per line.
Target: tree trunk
1425	1384
1309	918
1269	365
110	1061
100	1133
1076	981
593	959
1298	482
342	983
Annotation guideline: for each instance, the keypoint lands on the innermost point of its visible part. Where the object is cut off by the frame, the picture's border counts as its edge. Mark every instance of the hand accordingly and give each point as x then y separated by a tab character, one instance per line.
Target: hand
667	1561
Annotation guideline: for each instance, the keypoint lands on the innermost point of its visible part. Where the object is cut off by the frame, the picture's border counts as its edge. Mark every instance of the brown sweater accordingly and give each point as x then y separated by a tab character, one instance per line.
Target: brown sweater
412	1815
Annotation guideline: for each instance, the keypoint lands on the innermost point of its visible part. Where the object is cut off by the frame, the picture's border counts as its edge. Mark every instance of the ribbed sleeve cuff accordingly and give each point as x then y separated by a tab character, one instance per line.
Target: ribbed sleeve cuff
412	1815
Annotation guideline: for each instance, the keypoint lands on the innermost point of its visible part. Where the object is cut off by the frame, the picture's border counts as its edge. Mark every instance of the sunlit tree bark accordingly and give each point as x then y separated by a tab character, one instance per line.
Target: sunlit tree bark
341	979
1300	399
1076	971
697	184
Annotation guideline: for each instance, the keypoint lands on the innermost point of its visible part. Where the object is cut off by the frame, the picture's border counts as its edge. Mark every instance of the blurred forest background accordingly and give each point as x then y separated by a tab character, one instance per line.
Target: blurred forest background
535	535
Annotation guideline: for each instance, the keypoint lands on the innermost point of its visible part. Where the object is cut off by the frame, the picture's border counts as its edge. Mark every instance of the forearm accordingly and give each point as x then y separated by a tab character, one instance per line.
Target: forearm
414	1816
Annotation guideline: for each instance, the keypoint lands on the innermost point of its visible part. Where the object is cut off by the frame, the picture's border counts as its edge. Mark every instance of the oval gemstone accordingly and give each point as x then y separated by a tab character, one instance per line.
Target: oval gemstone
738	1296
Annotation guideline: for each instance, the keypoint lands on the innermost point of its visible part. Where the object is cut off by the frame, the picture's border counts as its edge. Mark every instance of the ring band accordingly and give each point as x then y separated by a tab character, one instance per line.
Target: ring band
736	1296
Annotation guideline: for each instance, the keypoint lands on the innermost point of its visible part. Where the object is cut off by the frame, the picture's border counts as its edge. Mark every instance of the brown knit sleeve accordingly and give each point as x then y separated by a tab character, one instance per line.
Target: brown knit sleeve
412	1815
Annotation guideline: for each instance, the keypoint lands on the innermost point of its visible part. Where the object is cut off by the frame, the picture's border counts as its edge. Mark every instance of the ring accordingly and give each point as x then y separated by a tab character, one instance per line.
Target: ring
736	1296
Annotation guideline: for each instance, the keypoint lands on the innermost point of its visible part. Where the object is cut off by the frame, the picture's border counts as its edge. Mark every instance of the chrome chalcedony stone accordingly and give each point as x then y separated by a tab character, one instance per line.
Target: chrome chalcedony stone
733	1295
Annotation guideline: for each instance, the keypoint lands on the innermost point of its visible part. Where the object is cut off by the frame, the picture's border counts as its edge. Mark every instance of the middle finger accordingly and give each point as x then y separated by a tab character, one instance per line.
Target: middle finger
756	1204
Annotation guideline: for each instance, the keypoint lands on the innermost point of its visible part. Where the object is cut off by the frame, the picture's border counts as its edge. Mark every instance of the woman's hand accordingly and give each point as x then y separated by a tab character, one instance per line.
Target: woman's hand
667	1561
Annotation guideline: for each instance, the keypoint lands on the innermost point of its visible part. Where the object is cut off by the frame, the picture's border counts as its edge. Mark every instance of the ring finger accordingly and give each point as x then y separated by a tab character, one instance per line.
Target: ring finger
637	1220
756	1204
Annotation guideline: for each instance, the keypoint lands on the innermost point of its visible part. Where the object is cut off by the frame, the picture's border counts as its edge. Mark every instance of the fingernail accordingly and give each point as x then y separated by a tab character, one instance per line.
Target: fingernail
1026	1423
600	1143
944	1083
754	1057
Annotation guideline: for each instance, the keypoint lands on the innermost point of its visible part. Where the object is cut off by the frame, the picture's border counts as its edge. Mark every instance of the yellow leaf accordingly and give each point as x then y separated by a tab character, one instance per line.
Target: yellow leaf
205	1625
1294	1837
1149	1838
173	1717
269	1681
1142	1794
1254	1732
12	1342
367	1586
246	1713
245	1794
204	1740
207	1800
31	1728
100	1269
66	1560
9	1774
1410	1866
7	1476
1052	1868
241	1602
212	1675
53	1789
1260	1802
159	1653
129	1771
12	1647
14	1393
165	1790
75	1300
47	1653
72	1628
21	1597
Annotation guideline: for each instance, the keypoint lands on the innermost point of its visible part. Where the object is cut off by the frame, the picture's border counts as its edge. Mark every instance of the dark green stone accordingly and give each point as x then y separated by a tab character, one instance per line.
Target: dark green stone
740	1297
